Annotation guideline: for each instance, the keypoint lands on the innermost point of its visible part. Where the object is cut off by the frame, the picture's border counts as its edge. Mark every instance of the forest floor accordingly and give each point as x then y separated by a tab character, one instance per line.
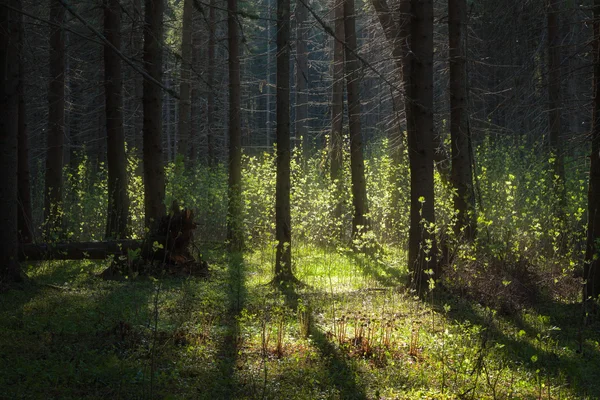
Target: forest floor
353	332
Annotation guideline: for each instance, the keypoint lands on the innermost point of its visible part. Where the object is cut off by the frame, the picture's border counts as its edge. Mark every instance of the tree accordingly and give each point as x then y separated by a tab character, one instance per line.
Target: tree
462	174
234	211
337	105
9	107
357	166
118	201
554	103
56	121
210	102
419	120
591	273
185	104
302	76
154	174
283	220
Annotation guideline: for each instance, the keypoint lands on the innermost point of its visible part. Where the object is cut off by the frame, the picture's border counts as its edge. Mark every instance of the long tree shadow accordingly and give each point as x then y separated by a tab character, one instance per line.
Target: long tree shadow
224	383
340	371
373	267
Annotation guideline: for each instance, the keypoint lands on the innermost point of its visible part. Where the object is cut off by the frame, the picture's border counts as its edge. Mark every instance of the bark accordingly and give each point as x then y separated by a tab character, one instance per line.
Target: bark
118	201
9	105
154	174
302	77
210	119
56	121
359	189
234	212
283	221
462	175
25	221
337	106
185	104
555	104
137	48
419	115
591	289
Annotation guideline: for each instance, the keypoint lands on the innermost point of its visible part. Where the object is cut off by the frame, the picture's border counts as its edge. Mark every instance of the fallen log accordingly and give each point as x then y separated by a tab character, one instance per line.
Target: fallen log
77	250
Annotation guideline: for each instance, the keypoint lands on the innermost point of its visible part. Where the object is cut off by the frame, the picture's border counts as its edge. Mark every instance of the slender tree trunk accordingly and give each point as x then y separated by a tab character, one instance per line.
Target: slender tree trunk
56	121
591	289
154	173
25	221
357	166
337	106
283	220
302	77
462	175
185	104
9	106
118	201
419	115
210	119
554	104
234	217
137	47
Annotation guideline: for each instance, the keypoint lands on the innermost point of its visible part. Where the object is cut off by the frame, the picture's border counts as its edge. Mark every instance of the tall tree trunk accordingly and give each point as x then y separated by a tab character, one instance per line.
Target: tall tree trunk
210	119
137	48
283	220
357	166
419	116
118	201
337	106
234	217
591	289
9	107
154	173
185	104
25	221
302	77
555	105
462	174
56	121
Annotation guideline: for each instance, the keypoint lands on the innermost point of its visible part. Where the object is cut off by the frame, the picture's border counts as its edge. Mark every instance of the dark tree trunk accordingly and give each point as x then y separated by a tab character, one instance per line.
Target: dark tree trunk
56	121
591	289
283	220
185	104
210	119
118	201
302	77
357	166
234	217
462	175
25	221
9	107
419	116
137	47
555	105
154	173
337	106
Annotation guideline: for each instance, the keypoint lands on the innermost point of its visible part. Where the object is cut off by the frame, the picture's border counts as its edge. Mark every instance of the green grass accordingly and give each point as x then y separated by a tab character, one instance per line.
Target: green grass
357	333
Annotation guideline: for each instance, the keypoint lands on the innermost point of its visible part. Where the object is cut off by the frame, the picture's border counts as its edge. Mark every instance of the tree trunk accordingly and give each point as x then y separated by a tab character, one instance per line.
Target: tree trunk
283	220
462	175
9	106
419	116
337	106
555	105
302	78
357	167
234	217
56	122
154	173
118	201
210	118
185	104
591	273
137	48
25	221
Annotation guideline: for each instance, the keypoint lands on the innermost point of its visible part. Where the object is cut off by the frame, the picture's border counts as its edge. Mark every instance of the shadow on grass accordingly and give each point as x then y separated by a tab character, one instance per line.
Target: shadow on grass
376	269
224	384
560	353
